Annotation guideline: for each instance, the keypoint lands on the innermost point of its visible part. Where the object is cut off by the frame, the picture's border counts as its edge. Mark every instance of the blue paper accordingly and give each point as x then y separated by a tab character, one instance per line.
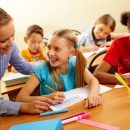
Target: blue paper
53	112
53	124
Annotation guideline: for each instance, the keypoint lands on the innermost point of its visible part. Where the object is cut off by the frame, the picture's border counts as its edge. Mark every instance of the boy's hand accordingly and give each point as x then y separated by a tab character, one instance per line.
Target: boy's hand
36	106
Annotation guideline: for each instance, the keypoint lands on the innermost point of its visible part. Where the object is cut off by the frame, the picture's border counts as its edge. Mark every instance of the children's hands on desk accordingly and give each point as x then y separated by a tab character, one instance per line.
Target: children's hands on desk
89	49
39	105
106	44
93	101
58	97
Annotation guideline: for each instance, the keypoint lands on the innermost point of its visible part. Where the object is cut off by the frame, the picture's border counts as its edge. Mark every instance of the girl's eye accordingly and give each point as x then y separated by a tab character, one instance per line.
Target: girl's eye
57	49
2	42
32	41
101	29
49	47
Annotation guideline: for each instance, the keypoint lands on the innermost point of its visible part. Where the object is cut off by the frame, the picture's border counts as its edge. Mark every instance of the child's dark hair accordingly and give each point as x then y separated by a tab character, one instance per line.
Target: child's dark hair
125	18
107	20
5	18
34	29
80	59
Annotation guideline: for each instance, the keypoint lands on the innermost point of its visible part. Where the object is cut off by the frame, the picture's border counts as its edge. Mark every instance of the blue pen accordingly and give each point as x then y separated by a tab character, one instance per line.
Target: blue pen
53	112
37	59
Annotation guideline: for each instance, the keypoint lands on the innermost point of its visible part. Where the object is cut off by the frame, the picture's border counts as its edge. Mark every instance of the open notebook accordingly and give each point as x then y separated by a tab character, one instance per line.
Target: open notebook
76	95
14	79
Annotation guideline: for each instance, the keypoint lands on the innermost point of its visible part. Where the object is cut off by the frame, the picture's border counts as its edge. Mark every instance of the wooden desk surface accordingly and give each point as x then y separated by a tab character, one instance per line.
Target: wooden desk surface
6	90
115	110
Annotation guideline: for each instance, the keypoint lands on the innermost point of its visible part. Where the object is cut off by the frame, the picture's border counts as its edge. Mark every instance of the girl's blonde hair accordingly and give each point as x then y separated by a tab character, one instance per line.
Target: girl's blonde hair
71	39
107	20
5	18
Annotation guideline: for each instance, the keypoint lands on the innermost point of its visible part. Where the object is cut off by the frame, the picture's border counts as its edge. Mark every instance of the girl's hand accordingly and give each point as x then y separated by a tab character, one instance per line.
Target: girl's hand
93	48
93	101
89	49
106	44
58	97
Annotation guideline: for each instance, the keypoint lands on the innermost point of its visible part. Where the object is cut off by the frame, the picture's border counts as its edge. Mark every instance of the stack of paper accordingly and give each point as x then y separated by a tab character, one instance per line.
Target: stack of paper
15	78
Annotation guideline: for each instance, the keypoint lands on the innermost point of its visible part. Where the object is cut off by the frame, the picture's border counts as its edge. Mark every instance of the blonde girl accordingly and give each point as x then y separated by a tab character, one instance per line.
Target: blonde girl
65	70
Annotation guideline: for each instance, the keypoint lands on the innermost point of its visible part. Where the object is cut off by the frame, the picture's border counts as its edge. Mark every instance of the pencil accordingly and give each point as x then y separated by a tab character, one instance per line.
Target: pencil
50	88
122	81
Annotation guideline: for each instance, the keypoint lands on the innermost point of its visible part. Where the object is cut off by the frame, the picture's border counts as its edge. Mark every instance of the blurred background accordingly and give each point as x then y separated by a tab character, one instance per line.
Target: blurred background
54	14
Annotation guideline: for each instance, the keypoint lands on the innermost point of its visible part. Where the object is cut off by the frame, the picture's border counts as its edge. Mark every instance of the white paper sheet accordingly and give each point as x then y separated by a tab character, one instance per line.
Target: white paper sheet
75	96
119	86
88	54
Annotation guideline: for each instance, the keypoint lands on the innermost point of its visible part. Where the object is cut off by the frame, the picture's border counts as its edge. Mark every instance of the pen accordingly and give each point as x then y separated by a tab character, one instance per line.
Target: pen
74	118
53	112
53	90
37	59
122	81
80	113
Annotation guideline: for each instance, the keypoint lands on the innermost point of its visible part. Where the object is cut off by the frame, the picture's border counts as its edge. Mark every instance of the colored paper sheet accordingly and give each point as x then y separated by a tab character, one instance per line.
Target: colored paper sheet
98	124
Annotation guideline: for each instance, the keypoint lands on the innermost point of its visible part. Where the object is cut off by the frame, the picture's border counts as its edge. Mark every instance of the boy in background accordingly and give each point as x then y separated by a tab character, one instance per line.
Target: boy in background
34	40
9	54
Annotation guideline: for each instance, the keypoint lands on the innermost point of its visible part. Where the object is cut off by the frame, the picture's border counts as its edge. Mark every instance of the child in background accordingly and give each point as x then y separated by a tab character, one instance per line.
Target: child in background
98	35
118	55
34	40
62	72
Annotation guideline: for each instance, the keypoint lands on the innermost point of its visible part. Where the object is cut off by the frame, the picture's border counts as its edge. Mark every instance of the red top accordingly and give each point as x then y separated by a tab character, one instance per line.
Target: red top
119	54
128	85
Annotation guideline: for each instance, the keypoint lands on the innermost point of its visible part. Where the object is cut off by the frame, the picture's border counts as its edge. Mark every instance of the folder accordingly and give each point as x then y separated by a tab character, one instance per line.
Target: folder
53	124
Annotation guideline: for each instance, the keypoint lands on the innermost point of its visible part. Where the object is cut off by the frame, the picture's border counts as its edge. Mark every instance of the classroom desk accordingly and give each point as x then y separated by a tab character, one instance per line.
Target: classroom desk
12	91
98	59
115	110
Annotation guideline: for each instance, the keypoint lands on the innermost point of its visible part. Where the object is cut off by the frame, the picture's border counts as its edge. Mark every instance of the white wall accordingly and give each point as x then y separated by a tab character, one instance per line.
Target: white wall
54	14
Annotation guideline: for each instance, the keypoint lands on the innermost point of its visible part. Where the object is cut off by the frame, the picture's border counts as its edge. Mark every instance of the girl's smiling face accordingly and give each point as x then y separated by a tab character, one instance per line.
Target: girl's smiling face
101	31
59	51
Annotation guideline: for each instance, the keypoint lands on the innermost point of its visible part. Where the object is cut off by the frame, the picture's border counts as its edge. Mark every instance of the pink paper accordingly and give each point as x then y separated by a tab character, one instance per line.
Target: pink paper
98	124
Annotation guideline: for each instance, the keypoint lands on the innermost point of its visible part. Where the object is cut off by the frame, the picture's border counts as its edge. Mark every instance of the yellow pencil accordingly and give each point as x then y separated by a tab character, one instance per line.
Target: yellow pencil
50	88
122	82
